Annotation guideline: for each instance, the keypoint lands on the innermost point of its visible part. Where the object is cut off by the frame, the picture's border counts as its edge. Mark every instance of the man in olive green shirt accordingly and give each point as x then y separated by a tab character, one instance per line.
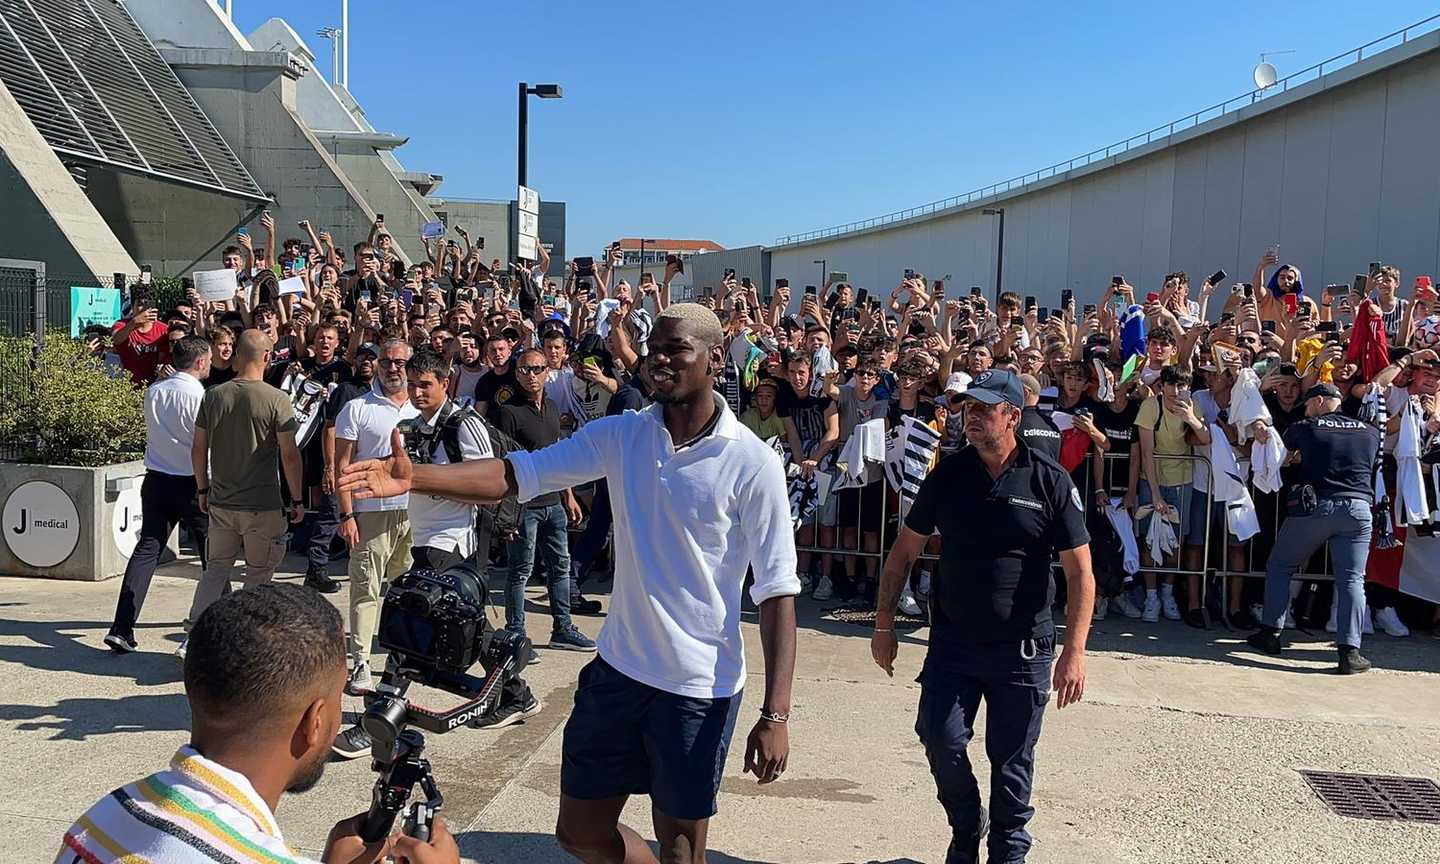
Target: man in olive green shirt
242	426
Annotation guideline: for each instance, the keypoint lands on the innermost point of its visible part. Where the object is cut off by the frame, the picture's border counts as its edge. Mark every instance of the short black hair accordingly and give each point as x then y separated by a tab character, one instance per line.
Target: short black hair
187	351
254	651
428	360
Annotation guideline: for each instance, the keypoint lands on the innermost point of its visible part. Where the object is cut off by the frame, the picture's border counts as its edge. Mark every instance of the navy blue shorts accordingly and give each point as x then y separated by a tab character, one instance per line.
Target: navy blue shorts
628	738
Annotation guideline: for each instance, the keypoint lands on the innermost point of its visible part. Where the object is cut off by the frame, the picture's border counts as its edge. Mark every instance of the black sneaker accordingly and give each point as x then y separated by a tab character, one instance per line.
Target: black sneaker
1266	641
320	580
359	680
533	658
121	643
1352	662
1196	618
352	743
581	606
510	713
571	639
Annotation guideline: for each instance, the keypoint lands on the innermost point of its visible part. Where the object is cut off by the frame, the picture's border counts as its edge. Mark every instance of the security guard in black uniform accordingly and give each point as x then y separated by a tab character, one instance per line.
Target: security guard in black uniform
1332	505
991	633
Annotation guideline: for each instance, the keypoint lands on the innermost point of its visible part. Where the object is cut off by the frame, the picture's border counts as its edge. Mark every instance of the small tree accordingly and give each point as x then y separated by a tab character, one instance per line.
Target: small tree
66	409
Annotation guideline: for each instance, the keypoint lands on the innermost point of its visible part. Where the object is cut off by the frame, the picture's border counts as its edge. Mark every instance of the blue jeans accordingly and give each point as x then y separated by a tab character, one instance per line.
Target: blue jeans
1014	680
1345	524
544	528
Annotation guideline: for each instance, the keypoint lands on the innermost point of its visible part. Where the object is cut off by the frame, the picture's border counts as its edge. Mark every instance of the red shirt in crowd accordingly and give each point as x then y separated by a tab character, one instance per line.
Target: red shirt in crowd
140	352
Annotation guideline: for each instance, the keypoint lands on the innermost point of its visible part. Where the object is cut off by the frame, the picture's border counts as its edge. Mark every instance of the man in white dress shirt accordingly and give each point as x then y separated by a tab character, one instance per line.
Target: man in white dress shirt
698	499
167	495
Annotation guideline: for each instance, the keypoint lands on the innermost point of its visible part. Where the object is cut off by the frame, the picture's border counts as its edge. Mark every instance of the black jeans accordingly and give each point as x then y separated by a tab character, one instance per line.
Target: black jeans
165	501
1014	680
592	539
512	691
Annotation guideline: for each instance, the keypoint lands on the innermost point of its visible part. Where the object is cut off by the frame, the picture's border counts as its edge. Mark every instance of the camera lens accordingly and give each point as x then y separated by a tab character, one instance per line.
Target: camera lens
383	718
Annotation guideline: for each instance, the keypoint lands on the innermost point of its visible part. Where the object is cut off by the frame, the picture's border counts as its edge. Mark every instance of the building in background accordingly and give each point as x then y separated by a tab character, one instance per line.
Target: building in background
148	132
652	259
494	220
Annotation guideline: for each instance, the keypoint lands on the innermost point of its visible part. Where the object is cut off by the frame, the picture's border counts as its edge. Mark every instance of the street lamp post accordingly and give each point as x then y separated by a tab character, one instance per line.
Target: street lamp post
999	249
544	91
641	271
823	264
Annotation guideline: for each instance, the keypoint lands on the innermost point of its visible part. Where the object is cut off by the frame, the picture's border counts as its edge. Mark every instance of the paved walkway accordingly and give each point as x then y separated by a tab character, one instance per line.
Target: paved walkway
1185	749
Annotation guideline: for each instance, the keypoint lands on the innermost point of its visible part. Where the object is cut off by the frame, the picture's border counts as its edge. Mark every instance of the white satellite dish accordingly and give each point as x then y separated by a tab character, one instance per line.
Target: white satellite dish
1265	75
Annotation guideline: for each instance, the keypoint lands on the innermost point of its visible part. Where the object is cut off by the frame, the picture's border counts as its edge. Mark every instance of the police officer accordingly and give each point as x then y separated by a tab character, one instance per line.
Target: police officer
991	636
1331	505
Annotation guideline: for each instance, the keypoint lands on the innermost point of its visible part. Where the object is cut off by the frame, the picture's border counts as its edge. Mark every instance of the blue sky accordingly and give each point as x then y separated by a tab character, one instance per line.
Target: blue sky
741	121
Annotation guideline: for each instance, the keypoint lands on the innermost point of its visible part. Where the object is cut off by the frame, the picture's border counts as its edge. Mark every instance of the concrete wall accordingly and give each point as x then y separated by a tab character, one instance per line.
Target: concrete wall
1340	172
45	215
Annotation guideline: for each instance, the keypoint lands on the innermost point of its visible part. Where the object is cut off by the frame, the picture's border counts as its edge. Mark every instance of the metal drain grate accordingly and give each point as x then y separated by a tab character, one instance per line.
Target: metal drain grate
864	616
1377	796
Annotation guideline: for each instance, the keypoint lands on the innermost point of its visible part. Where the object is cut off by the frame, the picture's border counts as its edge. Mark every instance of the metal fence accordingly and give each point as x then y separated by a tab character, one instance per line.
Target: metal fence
1217	547
23	315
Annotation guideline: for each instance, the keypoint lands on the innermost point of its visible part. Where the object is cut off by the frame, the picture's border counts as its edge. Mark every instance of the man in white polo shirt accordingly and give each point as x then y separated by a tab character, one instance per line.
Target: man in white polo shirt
376	529
698	499
167	495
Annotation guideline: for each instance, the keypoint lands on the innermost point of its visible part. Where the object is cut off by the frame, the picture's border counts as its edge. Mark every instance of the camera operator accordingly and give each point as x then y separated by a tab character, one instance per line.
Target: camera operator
443	530
263	680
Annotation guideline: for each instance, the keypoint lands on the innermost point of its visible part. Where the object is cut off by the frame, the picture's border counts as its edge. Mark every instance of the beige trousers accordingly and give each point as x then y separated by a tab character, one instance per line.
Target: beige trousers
382	556
259	535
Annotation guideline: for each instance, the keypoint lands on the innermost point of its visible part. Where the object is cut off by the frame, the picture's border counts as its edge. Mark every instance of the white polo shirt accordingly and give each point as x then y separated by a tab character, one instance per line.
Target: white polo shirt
688	523
440	522
170	408
368	421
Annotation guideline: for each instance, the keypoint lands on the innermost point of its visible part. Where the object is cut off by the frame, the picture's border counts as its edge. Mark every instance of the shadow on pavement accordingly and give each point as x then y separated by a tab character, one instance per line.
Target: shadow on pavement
503	847
82	717
49	648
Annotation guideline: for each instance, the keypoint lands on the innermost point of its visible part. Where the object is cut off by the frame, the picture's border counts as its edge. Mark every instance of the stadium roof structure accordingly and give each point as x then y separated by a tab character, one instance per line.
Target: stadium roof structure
99	92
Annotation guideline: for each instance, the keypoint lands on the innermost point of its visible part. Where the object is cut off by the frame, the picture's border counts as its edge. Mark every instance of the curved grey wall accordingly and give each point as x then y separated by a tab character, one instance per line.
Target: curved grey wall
1340	171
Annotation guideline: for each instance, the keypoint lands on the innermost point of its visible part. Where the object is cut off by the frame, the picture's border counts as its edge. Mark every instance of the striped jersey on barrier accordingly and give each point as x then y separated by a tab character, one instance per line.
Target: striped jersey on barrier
907	459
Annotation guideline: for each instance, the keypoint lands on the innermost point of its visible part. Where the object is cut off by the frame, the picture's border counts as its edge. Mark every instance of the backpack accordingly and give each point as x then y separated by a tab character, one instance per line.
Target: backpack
495	524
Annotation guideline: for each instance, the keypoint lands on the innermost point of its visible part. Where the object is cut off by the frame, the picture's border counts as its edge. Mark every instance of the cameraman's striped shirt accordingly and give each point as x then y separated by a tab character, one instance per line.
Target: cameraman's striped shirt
196	811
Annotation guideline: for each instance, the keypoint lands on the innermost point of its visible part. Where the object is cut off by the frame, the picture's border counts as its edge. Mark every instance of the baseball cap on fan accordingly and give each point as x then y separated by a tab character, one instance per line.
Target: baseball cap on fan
996	386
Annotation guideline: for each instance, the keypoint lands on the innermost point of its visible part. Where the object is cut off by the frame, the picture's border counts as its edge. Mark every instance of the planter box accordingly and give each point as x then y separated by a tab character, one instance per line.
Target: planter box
62	522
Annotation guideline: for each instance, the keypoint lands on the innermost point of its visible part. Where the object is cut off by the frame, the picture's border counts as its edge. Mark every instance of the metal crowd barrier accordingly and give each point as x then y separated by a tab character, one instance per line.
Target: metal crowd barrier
1269	526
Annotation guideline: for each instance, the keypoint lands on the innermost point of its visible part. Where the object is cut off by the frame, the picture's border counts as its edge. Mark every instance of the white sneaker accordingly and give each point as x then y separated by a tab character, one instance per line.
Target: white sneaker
1331	626
1170	607
1127	606
907	602
1102	609
1367	626
824	590
1151	612
1287	621
180	652
1388	619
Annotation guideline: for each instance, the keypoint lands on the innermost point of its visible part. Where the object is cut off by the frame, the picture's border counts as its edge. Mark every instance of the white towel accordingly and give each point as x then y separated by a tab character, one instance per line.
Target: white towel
1266	459
1228	485
1125	529
863	455
1246	403
1410	504
1161	536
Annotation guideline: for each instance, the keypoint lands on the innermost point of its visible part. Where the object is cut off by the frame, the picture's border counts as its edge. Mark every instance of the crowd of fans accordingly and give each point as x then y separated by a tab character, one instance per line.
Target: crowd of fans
1125	389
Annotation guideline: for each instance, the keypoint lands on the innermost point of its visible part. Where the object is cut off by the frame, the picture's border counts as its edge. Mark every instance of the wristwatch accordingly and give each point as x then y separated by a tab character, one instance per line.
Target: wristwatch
343	516
205	491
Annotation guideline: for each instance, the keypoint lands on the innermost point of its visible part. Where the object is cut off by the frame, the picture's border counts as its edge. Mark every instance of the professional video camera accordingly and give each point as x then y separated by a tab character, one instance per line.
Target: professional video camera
432	625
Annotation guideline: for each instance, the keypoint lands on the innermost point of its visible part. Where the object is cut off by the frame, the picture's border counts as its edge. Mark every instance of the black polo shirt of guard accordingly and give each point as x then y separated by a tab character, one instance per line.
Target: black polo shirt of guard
532	428
997	536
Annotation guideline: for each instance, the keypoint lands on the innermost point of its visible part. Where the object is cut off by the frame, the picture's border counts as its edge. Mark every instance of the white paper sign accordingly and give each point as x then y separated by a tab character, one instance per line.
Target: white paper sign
528	200
431	230
293	285
529	224
215	285
526	247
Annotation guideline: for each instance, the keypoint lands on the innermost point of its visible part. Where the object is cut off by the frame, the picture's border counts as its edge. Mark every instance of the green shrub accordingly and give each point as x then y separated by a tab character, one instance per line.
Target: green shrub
68	410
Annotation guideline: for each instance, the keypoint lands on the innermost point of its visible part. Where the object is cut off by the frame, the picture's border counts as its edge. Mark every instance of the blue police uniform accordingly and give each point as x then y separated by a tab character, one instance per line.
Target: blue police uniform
1337	458
991	634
